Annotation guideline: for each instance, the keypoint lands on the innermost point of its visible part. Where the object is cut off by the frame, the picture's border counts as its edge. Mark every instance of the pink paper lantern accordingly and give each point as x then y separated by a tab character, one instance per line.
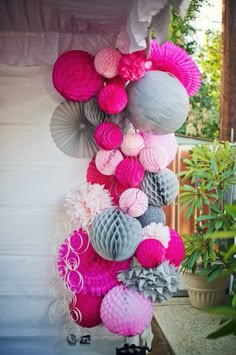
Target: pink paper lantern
108	136
134	202
112	98
95	177
85	310
154	158
83	270
107	160
129	172
106	62
126	312
175	250
75	77
132	144
168	141
150	253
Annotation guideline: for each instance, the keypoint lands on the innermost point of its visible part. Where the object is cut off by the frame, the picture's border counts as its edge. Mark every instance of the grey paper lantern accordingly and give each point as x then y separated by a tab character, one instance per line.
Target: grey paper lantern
157	103
115	235
93	113
71	131
152	214
161	188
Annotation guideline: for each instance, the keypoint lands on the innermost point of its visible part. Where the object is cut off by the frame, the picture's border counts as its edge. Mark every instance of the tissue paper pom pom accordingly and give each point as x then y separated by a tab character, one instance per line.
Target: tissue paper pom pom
83	270
106	62
107	160
95	177
75	77
175	250
161	188
153	158
86	203
132	66
85	310
159	232
168	141
115	235
126	312
132	144
150	253
112	98
134	202
115	190
175	60
108	136
129	172
157	103
153	214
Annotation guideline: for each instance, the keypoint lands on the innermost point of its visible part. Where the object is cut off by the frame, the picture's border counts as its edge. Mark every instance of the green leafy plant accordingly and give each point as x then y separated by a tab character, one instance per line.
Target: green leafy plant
209	174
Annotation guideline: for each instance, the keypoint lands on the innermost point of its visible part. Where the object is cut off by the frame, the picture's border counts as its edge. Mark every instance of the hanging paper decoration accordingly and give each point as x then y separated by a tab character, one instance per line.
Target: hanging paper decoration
115	190
129	172
95	177
157	231
75	77
158	284
107	161
115	235
150	253
175	250
106	62
153	214
108	136
132	66
157	103
126	312
154	158
112	98
175	60
132	144
134	202
93	113
161	188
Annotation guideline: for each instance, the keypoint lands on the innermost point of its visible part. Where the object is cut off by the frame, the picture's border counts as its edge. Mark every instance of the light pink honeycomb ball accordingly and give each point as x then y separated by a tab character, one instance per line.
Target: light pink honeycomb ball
134	202
106	62
106	161
132	144
154	158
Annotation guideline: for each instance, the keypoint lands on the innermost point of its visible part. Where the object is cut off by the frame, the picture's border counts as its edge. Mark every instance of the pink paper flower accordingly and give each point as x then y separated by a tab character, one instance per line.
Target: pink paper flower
132	66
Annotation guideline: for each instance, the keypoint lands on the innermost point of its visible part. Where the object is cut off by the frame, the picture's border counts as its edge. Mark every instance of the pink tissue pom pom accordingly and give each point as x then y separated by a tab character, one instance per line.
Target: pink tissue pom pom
75	77
85	310
126	312
150	253
106	62
175	250
132	66
132	144
168	141
129	172
108	136
134	202
95	177
154	158
112	98
107	160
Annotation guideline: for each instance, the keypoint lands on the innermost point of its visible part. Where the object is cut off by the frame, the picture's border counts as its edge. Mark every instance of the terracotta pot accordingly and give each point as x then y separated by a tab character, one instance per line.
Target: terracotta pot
204	294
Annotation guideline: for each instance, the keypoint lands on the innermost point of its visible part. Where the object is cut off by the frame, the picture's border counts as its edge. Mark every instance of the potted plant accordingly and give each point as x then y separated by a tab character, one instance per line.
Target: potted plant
209	174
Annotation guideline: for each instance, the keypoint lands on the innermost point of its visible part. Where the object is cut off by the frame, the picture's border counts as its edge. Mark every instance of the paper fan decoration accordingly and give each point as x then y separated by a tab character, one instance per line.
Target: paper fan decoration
71	132
175	60
95	177
93	113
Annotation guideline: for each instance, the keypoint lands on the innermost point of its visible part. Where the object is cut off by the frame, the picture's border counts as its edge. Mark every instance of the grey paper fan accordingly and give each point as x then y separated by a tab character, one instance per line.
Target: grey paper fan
161	188
71	131
157	283
157	103
152	214
93	113
120	119
115	235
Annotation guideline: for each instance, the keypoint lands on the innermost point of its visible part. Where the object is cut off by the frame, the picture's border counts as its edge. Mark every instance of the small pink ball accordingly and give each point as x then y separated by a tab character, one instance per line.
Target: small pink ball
106	161
175	250
125	311
134	202
132	144
112	98
129	172
108	136
150	253
106	62
154	158
85	310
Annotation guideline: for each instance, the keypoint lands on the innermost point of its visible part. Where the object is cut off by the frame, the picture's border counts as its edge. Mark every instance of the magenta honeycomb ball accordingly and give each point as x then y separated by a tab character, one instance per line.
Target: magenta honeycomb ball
150	253
108	136
129	172
175	250
85	310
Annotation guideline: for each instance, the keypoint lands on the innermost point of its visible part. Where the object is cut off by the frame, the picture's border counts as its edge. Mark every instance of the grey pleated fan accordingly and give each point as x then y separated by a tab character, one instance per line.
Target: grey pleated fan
157	103
71	131
120	119
157	283
161	188
93	113
115	235
152	214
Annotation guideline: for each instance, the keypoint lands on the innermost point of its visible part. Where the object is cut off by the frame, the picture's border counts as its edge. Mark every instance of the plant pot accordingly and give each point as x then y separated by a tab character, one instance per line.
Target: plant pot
204	294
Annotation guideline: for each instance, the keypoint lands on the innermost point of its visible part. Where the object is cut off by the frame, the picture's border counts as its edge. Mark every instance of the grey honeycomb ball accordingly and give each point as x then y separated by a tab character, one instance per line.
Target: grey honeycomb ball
161	188
153	214
115	235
